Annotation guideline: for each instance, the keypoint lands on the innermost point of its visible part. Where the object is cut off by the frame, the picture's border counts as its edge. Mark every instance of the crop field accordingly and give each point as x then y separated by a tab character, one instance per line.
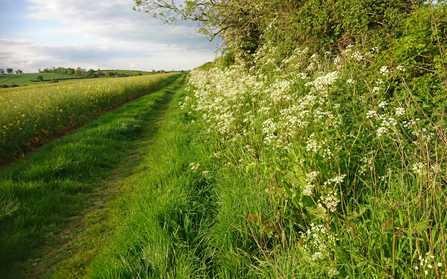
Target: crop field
22	79
30	116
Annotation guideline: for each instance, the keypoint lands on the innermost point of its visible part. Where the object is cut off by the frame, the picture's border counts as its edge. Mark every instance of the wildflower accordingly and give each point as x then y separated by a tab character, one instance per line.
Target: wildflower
317	256
400	111
332	273
381	131
401	68
350	81
331	201
384	70
371	114
418	168
436	168
356	55
439	264
383	104
310	177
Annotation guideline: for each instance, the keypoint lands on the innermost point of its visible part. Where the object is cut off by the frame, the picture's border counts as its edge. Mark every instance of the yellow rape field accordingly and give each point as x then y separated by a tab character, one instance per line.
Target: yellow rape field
30	116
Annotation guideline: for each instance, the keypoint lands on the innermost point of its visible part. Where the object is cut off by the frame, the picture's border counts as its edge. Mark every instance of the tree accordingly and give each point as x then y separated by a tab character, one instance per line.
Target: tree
237	22
79	71
9	70
39	78
19	71
70	71
2	72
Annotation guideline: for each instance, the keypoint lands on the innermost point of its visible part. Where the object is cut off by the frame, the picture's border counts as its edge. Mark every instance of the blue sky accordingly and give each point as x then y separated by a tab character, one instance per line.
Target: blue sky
99	34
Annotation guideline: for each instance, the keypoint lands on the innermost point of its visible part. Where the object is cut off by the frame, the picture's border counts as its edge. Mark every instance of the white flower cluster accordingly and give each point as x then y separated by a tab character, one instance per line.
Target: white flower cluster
313	145
427	264
318	241
336	180
330	201
332	273
357	56
384	70
309	186
368	165
400	111
419	168
194	166
185	103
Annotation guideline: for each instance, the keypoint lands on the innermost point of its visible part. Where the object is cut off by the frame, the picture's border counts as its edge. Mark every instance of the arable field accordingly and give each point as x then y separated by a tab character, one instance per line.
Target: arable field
29	116
21	79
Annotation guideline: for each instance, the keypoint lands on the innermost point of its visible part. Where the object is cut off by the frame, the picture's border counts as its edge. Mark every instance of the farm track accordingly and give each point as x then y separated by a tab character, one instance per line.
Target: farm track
66	247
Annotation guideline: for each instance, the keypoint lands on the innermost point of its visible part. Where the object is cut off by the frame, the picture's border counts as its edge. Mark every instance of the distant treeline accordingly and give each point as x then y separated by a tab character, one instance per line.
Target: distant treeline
80	72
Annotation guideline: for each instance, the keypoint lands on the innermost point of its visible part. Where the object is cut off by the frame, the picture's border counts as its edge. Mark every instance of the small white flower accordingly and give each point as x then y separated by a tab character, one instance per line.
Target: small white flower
416	267
383	104
350	81
332	273
439	264
426	272
384	70
400	111
371	114
429	266
419	168
401	68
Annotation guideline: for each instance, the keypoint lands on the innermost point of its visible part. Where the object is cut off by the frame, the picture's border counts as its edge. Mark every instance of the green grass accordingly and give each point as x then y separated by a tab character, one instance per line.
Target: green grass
30	116
21	79
50	202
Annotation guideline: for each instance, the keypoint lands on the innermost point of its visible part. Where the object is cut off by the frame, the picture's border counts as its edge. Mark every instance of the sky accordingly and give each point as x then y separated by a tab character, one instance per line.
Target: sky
95	34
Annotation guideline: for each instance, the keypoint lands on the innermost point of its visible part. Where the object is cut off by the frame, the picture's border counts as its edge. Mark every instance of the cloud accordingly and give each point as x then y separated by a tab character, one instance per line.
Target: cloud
104	34
22	42
29	55
115	21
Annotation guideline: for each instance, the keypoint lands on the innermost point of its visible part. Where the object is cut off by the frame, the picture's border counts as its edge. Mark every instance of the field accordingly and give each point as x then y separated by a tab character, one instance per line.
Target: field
30	116
21	79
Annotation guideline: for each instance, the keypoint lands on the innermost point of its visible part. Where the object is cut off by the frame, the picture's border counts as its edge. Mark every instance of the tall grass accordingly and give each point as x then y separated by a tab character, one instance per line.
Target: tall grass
30	116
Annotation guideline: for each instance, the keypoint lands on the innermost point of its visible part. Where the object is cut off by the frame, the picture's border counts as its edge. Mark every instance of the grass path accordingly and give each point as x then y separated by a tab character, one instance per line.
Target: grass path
60	206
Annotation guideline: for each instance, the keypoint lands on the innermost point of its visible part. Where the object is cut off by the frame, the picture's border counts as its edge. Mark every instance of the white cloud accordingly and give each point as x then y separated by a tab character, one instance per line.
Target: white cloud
29	55
104	34
114	20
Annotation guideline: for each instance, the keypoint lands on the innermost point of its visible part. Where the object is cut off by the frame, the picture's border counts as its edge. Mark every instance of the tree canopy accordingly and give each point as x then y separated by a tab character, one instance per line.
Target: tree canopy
244	25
